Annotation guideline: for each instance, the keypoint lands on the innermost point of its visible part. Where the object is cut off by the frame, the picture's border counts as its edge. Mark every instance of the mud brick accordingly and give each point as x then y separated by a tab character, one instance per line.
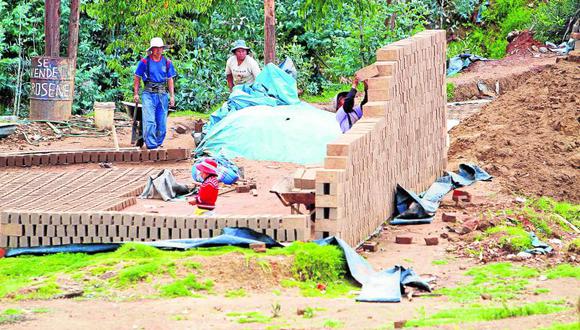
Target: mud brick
149	221
159	221
135	156
164	233
92	230
34	241
43	159
431	240
60	159
127	156
222	222
175	154
367	72
5	217
205	233
153	155
290	235
332	162
243	189
3	241
370	246
123	231
66	240
81	230
86	156
118	156
180	222
11	229
170	222
174	233
102	230
111	156
23	241
184	233
19	161
161	154
70	158
50	230
403	240
253	223
142	232
449	217
27	160
390	53
65	218
258	247
3	160
78	157
195	233
55	241
102	156
133	232
10	161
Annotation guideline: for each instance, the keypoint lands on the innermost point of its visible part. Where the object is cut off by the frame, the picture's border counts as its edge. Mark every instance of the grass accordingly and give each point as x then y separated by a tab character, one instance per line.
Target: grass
334	324
13	315
568	211
514	239
541	290
503	281
186	287
563	326
450	88
336	289
477	313
194	114
135	263
563	270
236	293
250	317
439	262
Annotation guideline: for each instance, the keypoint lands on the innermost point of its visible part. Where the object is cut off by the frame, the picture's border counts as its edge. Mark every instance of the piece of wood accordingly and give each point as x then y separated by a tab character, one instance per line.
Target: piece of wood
115	139
269	32
73	31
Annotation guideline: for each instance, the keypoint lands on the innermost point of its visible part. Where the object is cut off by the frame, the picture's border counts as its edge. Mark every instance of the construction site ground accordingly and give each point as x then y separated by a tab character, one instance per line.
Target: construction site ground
137	307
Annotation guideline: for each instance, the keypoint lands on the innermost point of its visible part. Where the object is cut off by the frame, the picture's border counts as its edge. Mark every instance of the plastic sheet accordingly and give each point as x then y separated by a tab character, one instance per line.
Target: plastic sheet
460	62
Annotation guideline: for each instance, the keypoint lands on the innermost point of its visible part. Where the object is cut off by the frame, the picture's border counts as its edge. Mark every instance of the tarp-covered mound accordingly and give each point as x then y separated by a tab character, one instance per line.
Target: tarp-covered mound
292	133
267	121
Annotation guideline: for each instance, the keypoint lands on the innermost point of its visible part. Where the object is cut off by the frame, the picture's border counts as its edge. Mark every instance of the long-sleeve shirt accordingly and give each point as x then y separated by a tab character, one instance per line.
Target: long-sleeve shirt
349	114
208	193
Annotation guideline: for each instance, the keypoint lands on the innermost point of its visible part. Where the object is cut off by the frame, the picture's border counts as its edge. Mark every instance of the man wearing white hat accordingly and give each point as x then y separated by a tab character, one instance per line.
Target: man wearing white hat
157	73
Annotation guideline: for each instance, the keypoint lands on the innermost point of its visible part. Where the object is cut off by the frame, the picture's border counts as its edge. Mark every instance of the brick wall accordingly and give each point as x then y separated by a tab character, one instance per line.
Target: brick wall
400	140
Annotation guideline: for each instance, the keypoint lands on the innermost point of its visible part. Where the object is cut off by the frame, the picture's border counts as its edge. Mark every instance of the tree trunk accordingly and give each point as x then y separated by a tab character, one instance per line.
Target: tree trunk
52	28
269	32
73	31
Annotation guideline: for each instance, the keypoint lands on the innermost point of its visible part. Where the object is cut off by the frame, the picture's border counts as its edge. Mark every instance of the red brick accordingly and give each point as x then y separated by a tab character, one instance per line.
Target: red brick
135	156
144	156
35	160
86	156
10	161
127	156
469	225
70	158
44	159
78	157
27	160
403	240
118	156
460	195
243	189
3	160
153	155
53	159
61	159
431	240
111	156
18	160
173	154
161	154
370	246
449	217
102	156
94	156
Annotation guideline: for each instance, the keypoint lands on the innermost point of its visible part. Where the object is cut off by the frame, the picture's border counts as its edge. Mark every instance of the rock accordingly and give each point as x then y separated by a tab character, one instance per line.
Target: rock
70	294
400	324
543	50
403	240
254	192
520	200
510	256
462	267
485	296
300	311
524	255
431	240
535	48
542	278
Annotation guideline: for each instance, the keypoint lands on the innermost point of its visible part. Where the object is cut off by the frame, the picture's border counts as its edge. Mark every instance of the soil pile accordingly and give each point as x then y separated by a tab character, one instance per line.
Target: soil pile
529	137
521	43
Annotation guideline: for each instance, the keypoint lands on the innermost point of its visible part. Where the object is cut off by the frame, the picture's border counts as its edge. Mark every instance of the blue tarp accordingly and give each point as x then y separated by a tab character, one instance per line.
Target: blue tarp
462	61
414	209
267	121
539	246
383	286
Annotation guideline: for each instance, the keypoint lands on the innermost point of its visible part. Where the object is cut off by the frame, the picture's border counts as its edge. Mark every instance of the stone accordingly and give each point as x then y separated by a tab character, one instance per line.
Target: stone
400	324
535	48
524	255
543	50
486	296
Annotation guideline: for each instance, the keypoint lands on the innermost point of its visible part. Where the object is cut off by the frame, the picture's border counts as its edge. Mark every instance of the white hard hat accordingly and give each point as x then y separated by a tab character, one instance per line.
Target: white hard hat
155	42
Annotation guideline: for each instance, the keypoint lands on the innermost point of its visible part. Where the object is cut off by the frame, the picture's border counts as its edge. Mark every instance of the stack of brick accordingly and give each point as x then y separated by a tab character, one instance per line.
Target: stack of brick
29	229
400	140
79	157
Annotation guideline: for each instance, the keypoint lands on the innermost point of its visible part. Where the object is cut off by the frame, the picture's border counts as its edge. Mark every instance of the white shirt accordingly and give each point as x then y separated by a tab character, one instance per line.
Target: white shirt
244	73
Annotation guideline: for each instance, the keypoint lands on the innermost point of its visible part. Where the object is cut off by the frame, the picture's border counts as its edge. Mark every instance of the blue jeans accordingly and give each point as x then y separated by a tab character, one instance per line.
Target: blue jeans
155	107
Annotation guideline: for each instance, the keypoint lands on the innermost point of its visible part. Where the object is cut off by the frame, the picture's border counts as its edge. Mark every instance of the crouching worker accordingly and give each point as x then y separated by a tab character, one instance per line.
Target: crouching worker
208	191
346	113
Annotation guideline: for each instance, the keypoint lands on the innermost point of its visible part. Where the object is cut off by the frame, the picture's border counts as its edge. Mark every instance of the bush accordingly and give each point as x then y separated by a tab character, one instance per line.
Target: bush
551	19
313	262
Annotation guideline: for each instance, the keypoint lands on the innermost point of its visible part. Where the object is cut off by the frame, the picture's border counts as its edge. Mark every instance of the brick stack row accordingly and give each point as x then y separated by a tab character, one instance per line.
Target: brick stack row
28	229
400	140
79	157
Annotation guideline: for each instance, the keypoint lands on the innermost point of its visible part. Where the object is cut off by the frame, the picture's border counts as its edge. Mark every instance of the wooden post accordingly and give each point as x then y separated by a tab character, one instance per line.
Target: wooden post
269	32
52	28
73	31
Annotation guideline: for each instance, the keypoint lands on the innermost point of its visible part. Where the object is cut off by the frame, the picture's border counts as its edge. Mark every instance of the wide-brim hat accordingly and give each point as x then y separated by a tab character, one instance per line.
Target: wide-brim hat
208	166
156	42
335	99
239	44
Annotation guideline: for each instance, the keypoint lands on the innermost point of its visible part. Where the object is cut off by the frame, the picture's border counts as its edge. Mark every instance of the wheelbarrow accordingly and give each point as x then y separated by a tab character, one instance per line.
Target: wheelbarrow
293	198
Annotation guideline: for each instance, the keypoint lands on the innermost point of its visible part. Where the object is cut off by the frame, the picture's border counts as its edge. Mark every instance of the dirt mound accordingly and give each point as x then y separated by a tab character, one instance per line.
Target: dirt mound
521	43
529	137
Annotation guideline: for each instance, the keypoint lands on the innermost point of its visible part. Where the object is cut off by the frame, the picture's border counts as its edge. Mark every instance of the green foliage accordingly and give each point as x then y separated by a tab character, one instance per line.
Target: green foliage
137	273
477	313
568	211
250	317
185	287
552	18
514	239
450	87
564	270
337	289
562	326
333	324
313	262
236	293
500	280
439	262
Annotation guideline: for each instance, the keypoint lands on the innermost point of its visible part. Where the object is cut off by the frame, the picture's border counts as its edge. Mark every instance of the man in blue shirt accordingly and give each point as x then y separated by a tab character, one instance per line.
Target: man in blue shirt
157	73
346	113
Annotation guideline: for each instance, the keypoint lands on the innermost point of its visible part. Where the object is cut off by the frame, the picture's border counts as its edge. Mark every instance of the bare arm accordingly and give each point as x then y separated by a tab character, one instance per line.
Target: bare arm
171	92
136	85
230	80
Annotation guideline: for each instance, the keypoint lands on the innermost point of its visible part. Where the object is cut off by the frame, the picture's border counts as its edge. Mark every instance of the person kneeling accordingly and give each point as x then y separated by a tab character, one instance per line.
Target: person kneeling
206	198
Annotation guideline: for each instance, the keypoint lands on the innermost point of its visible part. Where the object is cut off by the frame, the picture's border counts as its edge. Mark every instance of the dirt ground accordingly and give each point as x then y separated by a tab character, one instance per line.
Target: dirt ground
530	137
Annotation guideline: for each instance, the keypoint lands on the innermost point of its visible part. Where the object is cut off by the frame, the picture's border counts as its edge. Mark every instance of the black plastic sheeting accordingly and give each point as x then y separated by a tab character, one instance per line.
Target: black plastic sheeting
384	286
412	209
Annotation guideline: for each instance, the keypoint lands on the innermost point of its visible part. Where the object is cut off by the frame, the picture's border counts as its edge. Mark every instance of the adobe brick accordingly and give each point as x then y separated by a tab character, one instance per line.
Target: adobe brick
118	156
86	156
27	160
102	156
10	161
403	240
431	240
135	156
161	154
111	156
78	157
70	158
19	161
153	155
35	160
127	156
